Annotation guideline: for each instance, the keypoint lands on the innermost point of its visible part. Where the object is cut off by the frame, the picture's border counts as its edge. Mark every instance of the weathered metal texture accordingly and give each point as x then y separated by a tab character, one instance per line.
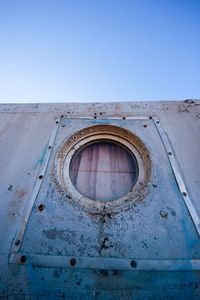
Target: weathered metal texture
51	246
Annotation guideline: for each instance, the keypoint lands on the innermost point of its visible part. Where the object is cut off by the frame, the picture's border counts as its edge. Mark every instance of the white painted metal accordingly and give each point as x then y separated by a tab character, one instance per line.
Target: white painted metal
148	250
27	211
179	179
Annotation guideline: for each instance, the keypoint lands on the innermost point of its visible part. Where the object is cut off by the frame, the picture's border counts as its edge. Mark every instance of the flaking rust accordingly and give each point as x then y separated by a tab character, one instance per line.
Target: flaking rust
137	193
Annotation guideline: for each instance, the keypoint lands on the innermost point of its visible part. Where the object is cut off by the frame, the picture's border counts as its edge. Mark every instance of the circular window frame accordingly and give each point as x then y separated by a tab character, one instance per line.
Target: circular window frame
97	133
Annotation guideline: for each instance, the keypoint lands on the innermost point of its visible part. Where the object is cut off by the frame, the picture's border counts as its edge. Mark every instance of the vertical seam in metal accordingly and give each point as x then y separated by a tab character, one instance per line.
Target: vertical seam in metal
177	174
27	211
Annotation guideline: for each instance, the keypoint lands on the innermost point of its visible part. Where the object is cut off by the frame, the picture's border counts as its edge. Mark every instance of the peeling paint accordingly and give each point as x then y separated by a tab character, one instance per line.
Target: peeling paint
68	252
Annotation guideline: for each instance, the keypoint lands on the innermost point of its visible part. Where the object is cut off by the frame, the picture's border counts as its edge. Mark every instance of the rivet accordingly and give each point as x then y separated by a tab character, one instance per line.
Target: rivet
72	262
41	207
133	264
104	272
40	177
184	194
23	259
169	153
163	213
17	242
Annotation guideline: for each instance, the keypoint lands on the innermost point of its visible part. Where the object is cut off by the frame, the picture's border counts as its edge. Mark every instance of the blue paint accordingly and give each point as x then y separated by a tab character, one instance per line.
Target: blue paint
66	122
99	122
118	123
42	157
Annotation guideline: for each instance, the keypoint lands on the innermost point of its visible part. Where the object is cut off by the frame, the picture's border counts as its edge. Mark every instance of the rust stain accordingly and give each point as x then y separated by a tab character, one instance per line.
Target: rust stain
118	109
21	193
136	195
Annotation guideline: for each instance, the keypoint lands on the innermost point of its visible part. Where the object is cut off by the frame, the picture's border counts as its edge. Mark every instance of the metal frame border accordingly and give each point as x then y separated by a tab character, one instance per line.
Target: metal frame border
61	170
27	211
98	262
106	263
177	174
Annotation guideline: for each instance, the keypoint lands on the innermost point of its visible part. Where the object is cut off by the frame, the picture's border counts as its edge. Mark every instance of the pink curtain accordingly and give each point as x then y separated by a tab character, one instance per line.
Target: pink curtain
103	171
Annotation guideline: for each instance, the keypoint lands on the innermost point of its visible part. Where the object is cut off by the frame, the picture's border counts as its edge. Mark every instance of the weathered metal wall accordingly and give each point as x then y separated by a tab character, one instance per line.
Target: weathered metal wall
53	248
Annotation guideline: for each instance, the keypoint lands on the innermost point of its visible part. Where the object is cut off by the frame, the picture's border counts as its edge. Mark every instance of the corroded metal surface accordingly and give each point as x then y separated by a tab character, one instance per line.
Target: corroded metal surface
27	210
150	250
90	133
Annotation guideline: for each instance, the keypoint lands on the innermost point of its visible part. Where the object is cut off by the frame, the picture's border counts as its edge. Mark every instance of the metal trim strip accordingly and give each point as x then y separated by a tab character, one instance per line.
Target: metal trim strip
166	142
108	118
102	263
134	264
27	211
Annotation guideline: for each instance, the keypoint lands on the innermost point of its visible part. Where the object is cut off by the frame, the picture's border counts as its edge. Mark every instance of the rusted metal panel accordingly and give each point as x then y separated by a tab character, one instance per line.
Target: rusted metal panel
54	245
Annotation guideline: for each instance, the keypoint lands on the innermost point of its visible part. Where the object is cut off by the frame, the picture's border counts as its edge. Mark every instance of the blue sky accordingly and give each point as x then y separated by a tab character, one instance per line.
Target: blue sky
81	50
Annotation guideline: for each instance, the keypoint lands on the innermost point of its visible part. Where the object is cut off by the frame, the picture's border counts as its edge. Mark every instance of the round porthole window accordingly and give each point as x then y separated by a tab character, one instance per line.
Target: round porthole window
103	168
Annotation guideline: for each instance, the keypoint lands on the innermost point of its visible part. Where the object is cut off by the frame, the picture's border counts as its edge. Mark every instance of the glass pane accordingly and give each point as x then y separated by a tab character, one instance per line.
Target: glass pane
103	171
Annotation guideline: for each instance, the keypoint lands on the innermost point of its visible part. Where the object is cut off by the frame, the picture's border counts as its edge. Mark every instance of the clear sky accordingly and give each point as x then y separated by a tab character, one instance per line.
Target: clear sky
99	50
